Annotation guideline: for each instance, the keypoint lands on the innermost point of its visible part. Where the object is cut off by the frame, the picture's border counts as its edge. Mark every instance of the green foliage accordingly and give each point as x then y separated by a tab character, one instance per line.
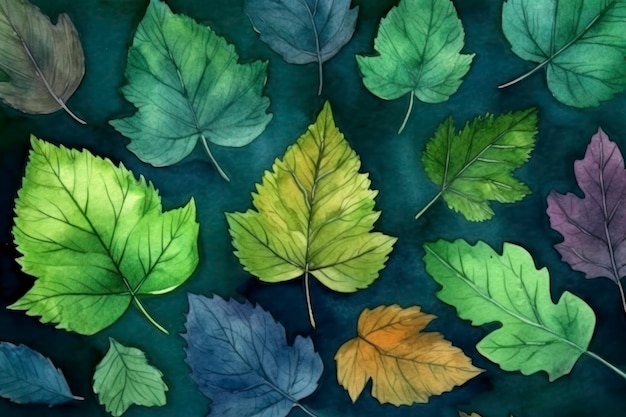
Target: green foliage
419	53
188	87
536	334
96	239
314	214
474	166
580	43
124	377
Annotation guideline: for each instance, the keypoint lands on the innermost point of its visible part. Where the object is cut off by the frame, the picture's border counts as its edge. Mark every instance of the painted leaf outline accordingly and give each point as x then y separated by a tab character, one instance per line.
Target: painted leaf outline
485	287
27	377
594	226
303	31
251	370
43	63
406	365
580	43
314	216
188	87
418	54
96	239
124	378
475	165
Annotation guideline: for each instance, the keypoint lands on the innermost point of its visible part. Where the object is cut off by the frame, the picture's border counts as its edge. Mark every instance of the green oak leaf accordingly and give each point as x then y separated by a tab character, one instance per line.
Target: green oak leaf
96	239
485	287
188	87
314	215
124	377
474	166
41	64
581	44
419	54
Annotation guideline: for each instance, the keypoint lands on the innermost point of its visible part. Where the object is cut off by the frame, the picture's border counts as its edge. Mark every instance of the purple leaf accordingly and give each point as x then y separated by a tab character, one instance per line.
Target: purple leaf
594	227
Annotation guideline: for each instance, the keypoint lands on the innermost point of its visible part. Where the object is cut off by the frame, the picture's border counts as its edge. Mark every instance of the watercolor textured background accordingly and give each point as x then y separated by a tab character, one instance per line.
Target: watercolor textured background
106	28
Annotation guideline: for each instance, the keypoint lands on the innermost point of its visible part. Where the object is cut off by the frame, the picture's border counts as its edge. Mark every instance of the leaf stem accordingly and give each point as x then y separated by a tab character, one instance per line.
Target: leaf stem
430	203
148	316
306	410
606	363
523	77
408	113
621	293
307	291
212	158
321	75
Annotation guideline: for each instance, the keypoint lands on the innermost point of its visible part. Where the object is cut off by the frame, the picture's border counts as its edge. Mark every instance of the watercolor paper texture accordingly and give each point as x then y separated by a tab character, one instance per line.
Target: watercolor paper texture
292	208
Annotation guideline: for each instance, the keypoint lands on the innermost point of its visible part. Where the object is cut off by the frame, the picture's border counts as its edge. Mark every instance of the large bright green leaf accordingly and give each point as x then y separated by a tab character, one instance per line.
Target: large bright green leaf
314	214
124	377
96	239
188	87
41	64
474	166
485	287
419	43
580	43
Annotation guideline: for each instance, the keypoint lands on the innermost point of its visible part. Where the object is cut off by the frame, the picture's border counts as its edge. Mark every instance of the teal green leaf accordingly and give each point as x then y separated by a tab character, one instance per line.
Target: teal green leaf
188	87
581	44
124	377
41	64
474	166
314	215
485	287
419	53
96	239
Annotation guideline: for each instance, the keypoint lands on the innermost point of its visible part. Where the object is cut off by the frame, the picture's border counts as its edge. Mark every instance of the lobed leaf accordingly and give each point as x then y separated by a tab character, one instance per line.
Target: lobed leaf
96	239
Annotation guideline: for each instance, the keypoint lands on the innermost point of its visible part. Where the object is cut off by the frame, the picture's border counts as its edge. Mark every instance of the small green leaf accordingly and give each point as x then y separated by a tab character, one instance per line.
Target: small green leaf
484	287
419	53
474	166
42	64
96	239
124	377
581	44
314	214
188	87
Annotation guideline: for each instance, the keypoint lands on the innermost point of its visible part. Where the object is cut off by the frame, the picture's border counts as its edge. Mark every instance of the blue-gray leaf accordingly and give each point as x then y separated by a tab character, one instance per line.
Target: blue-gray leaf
28	377
303	31
239	357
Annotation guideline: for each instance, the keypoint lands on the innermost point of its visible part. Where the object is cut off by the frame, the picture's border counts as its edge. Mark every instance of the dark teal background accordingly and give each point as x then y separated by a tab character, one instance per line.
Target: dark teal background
106	28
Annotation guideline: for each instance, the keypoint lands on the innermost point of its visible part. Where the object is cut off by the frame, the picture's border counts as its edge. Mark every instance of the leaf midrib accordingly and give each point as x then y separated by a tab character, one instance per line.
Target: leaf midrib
496	303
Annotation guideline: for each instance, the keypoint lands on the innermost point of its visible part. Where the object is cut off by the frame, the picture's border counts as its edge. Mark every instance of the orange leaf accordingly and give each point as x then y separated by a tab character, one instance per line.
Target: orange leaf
405	365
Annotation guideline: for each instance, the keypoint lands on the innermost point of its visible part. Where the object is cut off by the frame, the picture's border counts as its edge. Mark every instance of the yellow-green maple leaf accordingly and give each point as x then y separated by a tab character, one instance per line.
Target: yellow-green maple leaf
314	215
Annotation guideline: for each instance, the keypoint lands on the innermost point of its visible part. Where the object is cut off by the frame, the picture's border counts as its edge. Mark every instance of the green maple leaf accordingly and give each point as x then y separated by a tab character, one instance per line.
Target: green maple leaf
419	54
188	88
96	239
314	215
536	334
581	44
124	377
474	166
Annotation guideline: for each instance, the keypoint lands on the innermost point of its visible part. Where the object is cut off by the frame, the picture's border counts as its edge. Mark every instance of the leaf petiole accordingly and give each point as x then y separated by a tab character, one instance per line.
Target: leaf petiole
607	364
427	206
408	113
212	158
307	291
148	316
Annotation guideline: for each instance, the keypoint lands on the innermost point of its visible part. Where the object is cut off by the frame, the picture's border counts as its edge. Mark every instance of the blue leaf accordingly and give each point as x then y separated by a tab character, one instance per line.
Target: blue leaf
28	377
303	31
239	357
